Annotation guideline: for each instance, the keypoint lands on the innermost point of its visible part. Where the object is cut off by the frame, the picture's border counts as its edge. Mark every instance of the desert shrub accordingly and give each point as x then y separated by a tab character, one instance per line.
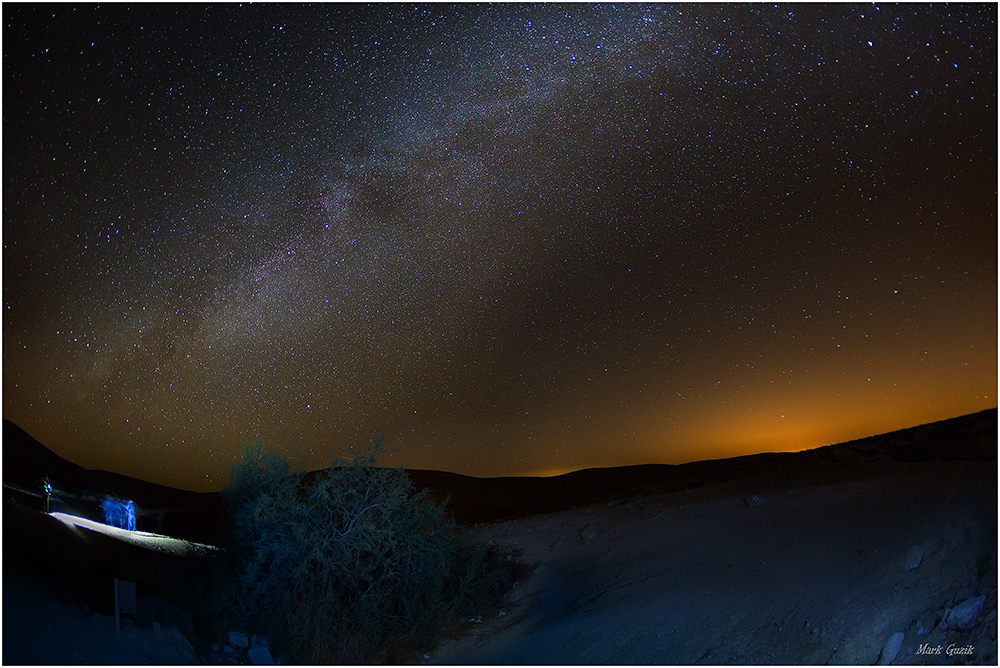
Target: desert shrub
348	567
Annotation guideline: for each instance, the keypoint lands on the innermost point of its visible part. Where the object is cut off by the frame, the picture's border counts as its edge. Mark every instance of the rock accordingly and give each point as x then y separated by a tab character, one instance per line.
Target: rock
230	653
259	640
238	640
913	558
965	614
589	532
156	626
927	622
260	655
891	648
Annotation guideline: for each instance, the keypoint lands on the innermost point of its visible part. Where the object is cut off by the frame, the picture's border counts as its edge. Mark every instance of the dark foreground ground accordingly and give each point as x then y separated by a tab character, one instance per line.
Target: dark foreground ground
851	554
743	573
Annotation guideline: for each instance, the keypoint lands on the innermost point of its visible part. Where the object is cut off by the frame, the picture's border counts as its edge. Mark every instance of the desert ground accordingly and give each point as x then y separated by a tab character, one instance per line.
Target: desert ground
804	575
882	550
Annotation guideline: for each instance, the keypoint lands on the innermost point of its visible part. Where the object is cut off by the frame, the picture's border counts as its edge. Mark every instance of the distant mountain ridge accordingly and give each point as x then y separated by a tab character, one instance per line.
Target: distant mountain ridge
198	515
473	500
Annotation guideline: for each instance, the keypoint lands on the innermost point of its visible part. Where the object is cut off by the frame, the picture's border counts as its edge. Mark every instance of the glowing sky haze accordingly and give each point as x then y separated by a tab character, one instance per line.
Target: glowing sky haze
517	239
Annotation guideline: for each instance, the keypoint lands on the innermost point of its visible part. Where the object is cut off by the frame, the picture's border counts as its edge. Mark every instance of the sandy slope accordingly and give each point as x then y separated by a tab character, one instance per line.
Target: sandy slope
811	574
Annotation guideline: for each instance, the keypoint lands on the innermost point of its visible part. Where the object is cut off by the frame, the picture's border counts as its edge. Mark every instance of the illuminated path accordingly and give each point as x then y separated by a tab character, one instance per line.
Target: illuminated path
151	541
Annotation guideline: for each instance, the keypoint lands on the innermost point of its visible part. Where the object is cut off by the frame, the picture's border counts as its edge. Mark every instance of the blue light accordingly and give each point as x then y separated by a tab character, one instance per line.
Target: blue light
119	514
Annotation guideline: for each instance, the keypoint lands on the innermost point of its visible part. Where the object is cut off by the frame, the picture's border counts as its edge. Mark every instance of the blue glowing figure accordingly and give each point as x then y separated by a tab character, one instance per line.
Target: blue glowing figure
130	516
113	515
120	514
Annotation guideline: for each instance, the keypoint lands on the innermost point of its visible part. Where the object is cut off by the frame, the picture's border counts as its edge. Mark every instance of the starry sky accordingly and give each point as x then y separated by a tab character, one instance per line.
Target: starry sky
515	239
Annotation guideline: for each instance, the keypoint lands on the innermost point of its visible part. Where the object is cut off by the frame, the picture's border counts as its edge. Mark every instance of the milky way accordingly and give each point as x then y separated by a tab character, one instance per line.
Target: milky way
515	239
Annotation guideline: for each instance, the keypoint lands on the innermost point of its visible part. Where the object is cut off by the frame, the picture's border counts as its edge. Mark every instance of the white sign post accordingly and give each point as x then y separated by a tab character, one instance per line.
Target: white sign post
124	601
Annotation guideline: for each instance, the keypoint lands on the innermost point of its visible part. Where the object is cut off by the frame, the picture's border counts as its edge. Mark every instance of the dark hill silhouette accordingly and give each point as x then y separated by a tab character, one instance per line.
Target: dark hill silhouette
472	500
180	513
25	461
481	500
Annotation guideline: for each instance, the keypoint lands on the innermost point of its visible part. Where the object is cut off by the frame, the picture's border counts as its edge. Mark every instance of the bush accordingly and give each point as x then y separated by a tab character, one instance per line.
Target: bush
347	567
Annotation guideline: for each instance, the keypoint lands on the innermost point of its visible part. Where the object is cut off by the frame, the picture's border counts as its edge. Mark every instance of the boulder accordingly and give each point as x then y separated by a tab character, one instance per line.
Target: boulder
965	614
589	532
238	640
260	655
927	622
891	648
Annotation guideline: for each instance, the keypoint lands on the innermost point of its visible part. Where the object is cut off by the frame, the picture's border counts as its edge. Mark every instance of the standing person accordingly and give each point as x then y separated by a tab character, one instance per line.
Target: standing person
47	488
130	515
112	512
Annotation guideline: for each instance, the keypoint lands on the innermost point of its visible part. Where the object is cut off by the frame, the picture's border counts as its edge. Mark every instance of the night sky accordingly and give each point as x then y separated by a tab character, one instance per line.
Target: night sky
516	239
